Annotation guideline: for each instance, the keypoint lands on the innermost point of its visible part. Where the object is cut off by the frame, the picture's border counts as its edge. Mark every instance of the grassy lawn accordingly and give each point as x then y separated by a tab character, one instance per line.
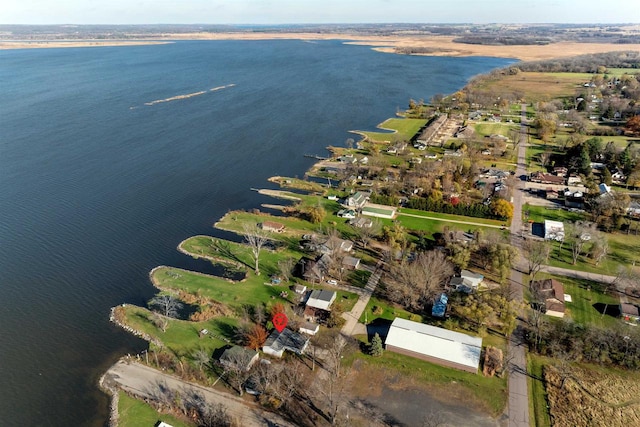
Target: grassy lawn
540	213
538	405
182	337
624	250
486	129
404	130
385	310
621	71
233	294
490	393
585	295
136	413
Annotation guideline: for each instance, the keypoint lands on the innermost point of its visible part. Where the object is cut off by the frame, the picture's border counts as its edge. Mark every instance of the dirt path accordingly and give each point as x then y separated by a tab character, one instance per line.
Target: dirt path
149	383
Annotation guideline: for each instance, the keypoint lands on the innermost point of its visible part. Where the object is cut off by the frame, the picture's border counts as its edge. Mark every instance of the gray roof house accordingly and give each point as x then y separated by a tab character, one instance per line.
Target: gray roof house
240	357
278	342
321	299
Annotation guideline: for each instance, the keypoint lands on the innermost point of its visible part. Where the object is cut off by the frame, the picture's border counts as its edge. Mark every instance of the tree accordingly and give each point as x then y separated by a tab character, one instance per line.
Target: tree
416	282
166	305
537	253
502	209
215	415
255	337
286	267
256	239
576	236
633	124
201	357
365	234
375	348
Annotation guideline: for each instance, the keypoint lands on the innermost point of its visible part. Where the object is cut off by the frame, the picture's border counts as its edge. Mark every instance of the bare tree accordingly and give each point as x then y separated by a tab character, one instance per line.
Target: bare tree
256	239
537	253
201	357
576	236
365	234
215	415
330	383
415	282
160	322
166	305
286	267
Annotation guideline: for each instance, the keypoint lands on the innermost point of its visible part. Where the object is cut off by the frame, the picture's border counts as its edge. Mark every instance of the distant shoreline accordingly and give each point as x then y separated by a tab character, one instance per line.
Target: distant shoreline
436	45
48	44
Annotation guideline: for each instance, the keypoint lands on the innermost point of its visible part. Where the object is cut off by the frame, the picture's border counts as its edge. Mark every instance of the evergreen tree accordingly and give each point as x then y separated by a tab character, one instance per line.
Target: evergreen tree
375	348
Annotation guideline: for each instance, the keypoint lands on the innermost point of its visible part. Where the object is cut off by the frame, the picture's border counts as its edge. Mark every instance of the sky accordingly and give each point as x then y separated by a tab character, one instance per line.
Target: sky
271	12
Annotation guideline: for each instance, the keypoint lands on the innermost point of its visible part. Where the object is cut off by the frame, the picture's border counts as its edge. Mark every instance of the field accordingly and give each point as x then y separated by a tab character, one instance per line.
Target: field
540	213
593	396
135	413
402	130
475	390
535	86
486	129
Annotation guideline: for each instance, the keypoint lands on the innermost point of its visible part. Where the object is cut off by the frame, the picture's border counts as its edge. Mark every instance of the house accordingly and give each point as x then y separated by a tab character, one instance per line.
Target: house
550	194
309	328
300	289
351	263
474	278
357	200
346	213
452	153
574	180
604	189
574	200
629	313
618	176
560	171
314	270
348	158
321	299
278	342
436	345
273	226
545	178
551	293
439	308
459	284
634	209
335	244
238	357
361	222
553	230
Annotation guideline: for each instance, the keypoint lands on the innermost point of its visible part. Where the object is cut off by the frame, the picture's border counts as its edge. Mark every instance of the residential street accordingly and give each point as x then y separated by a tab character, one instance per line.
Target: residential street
146	382
518	410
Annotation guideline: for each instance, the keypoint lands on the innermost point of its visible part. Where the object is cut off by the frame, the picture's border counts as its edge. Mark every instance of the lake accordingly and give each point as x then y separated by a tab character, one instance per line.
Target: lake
99	182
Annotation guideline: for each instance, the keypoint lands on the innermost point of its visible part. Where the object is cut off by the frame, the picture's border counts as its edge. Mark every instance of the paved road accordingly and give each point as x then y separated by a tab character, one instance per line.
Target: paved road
518	410
146	382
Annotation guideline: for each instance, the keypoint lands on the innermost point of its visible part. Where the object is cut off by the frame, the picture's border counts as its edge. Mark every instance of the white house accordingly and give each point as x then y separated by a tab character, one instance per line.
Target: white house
309	328
357	200
321	299
436	345
553	230
474	278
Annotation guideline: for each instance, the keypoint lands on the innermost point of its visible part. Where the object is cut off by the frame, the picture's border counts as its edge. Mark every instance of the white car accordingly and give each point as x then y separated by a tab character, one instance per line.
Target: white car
332	282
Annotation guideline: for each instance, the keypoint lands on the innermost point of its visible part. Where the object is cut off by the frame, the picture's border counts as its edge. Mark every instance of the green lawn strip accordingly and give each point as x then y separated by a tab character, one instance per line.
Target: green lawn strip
491	393
540	213
439	215
405	129
538	405
298	184
182	337
618	72
136	413
584	295
358	278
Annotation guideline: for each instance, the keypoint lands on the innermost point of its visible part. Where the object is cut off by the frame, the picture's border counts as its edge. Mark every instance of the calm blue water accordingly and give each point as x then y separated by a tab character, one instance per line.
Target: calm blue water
95	193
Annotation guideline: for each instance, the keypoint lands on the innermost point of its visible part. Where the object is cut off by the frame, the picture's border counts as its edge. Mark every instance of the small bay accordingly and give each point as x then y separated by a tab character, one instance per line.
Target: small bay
99	181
